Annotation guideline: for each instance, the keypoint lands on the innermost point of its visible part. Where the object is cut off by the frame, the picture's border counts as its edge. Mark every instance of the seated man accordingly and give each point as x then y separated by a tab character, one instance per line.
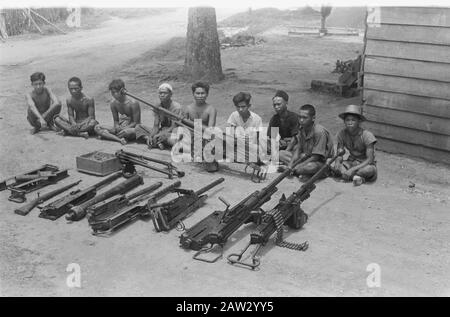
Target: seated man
360	165
286	121
310	148
200	109
126	115
245	122
163	125
43	104
81	112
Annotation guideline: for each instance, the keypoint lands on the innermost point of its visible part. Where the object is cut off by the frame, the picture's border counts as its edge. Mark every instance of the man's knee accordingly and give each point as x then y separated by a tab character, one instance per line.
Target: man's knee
309	168
368	172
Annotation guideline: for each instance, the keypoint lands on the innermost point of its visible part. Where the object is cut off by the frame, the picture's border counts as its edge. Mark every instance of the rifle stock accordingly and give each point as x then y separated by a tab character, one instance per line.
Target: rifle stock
26	209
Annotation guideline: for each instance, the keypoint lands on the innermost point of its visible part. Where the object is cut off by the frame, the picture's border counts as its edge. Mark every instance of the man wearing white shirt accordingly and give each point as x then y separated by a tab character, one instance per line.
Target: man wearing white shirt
245	122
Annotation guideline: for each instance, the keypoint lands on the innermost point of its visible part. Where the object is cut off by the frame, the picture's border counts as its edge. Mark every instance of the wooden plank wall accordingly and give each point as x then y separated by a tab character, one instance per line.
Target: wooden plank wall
406	88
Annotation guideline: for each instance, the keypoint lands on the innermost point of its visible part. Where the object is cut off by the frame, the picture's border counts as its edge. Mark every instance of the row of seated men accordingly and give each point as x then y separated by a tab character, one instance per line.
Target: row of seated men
300	138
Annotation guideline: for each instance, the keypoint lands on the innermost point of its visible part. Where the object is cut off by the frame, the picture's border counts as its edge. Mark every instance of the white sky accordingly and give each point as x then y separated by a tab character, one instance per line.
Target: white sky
216	3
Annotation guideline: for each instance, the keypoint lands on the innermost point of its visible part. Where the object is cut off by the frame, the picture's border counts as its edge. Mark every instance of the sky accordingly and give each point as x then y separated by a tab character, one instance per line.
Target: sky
282	4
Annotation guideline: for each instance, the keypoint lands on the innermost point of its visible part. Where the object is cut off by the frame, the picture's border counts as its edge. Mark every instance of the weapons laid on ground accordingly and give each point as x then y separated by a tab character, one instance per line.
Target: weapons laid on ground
27	182
78	212
25	209
216	228
59	207
168	215
111	213
189	124
287	211
104	219
130	159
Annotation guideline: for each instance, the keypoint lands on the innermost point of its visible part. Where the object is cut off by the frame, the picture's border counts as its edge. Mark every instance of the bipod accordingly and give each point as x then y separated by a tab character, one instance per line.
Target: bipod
208	250
255	259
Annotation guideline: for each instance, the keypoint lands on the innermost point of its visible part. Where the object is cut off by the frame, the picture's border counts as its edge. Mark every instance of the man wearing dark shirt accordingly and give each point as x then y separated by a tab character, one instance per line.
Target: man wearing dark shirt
286	121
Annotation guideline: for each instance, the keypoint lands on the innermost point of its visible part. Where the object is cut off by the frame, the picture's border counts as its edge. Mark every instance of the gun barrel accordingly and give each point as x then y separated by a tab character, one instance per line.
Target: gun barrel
78	212
187	122
25	209
162	192
145	191
209	186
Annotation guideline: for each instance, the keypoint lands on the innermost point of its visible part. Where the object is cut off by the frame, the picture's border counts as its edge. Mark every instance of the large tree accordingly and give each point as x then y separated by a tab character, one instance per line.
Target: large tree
202	60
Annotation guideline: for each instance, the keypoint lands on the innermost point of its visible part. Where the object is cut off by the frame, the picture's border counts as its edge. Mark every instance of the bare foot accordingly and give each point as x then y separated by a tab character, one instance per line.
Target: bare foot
123	141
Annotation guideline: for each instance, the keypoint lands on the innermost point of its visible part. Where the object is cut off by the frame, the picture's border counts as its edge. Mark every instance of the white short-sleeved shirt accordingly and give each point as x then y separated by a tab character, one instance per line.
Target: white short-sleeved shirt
254	121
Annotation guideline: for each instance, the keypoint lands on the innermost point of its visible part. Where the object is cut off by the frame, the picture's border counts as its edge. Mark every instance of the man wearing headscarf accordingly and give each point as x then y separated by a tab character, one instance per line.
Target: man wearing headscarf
159	135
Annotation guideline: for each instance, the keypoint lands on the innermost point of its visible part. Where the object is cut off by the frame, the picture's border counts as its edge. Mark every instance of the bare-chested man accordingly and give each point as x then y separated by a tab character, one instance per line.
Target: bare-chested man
200	109
81	112
43	104
126	114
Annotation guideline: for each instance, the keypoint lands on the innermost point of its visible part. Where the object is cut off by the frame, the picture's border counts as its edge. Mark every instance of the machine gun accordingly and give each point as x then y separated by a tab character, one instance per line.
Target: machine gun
166	216
24	183
59	207
287	211
258	173
130	159
216	228
105	216
25	209
78	212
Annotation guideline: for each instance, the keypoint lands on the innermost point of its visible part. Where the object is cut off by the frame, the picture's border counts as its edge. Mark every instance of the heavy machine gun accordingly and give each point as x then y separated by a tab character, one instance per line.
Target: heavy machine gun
168	215
259	172
79	212
105	216
216	228
288	211
59	207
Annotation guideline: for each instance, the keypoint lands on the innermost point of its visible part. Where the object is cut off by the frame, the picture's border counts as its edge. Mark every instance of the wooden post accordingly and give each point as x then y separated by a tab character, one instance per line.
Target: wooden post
202	61
48	21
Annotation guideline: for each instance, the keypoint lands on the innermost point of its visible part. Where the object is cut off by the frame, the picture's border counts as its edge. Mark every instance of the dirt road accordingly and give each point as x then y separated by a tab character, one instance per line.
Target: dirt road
401	229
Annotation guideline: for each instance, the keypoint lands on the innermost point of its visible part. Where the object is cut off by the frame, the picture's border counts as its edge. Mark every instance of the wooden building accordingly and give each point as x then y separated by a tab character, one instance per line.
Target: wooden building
406	88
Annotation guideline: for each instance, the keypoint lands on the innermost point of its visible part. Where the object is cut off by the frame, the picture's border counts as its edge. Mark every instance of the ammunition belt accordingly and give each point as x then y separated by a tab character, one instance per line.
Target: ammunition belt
279	221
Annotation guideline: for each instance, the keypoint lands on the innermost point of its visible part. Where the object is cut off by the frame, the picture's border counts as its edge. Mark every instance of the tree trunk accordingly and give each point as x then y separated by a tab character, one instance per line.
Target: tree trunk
202	60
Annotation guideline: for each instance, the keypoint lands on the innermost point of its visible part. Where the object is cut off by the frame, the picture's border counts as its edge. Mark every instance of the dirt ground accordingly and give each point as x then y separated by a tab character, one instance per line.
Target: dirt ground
402	228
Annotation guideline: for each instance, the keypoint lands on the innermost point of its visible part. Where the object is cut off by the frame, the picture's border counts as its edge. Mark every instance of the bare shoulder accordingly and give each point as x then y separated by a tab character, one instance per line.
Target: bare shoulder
134	105
211	109
114	104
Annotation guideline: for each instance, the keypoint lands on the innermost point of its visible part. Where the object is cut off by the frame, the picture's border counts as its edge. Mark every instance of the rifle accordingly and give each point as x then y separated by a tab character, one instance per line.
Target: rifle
111	213
287	211
166	216
131	159
25	209
189	124
220	225
78	212
59	207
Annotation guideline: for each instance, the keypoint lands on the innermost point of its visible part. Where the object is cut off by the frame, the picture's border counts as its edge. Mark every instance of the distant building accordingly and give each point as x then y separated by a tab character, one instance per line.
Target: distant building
406	89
